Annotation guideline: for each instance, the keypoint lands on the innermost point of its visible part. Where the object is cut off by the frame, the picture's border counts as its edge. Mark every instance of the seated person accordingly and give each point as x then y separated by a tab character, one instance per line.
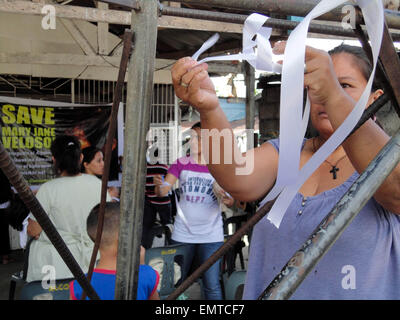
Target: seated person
103	278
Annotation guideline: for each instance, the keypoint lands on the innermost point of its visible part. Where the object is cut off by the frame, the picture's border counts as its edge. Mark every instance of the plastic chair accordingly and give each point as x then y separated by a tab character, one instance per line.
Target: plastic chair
234	285
34	291
169	255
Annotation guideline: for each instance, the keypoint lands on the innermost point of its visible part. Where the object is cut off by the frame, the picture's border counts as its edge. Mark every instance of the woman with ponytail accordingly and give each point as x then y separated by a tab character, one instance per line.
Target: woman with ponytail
67	200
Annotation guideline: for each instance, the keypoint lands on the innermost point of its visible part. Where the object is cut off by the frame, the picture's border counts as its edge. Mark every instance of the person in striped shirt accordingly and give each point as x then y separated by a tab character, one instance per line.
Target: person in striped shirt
154	204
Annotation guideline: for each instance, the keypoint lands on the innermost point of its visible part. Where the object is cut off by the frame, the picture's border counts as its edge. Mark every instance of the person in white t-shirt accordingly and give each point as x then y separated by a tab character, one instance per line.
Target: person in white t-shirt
68	200
198	221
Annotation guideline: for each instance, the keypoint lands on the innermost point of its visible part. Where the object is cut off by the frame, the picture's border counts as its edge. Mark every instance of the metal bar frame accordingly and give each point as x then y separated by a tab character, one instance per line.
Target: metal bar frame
282	7
272	22
288	7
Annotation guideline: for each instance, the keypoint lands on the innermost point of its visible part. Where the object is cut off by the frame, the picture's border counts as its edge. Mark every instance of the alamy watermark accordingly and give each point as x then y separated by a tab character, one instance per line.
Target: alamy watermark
168	143
349	20
49	278
49	19
349	280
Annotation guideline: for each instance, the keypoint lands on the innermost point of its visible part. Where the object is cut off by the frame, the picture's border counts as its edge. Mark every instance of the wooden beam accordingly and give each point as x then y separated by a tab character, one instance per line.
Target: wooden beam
75	72
59	59
170	22
102	32
78	36
69	12
87	67
116	16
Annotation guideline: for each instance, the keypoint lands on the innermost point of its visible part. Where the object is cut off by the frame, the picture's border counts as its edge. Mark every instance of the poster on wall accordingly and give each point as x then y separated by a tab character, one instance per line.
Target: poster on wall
28	128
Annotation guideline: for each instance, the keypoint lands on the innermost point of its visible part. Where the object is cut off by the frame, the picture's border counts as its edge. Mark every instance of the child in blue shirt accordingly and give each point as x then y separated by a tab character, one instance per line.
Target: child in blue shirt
103	278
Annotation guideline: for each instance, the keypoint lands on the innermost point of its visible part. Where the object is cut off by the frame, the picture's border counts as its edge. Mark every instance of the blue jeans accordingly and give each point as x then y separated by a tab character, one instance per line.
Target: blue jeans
199	253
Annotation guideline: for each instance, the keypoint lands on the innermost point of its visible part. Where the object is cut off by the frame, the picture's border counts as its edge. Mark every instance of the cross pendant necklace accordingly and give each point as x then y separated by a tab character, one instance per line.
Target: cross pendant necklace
333	171
334	166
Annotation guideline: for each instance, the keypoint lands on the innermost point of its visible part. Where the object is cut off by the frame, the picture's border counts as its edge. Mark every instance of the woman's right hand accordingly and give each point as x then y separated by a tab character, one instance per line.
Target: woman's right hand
193	85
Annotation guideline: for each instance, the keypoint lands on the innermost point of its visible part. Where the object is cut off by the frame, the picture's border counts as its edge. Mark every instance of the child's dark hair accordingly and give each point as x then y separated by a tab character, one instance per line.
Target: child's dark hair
110	226
66	151
361	59
88	155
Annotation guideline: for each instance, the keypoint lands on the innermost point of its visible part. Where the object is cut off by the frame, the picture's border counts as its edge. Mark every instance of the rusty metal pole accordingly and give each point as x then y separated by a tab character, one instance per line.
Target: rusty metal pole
288	7
271	23
249	76
137	122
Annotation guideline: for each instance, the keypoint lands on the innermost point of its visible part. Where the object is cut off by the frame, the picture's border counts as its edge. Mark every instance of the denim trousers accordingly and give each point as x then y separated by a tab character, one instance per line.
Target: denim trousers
199	253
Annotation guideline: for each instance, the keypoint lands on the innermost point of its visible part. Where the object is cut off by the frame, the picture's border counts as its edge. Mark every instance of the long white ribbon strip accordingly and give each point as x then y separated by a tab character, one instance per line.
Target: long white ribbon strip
293	123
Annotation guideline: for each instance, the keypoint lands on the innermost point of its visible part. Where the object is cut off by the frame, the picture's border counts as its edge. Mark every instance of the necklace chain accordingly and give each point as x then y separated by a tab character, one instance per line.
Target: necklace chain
334	167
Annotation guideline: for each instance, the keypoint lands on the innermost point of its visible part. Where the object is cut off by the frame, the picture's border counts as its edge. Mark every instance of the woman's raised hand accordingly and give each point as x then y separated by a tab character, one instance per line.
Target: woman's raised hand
319	77
193	85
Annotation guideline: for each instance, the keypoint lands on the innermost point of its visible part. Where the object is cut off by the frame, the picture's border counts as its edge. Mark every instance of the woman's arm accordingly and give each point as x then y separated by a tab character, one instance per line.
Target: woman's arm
246	176
362	147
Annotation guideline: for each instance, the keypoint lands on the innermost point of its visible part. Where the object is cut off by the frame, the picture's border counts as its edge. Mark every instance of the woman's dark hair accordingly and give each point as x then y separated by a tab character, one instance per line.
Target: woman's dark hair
360	58
66	151
88	155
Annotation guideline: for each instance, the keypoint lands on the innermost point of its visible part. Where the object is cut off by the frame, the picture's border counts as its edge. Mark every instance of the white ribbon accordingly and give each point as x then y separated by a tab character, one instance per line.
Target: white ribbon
257	52
293	123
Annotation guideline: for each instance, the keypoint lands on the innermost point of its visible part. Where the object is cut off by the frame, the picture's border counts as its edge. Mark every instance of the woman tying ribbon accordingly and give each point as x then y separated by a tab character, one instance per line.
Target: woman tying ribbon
68	200
198	222
364	263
